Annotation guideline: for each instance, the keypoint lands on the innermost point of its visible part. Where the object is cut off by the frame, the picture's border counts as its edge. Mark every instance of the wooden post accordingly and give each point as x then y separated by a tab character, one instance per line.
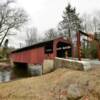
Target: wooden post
78	46
73	52
98	48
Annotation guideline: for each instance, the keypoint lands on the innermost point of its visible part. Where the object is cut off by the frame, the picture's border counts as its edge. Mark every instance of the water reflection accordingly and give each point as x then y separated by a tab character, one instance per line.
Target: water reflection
5	75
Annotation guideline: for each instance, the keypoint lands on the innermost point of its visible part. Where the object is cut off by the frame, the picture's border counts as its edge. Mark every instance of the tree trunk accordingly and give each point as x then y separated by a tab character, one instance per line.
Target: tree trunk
4	37
69	34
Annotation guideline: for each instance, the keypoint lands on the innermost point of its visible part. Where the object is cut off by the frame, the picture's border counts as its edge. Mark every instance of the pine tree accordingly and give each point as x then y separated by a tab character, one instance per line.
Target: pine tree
71	21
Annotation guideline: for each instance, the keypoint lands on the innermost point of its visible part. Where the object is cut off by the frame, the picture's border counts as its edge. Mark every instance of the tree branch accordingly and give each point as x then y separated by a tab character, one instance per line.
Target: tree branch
4	37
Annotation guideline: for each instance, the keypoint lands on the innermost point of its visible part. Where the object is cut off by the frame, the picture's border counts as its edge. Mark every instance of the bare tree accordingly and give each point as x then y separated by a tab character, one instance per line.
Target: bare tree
31	36
10	19
50	34
91	23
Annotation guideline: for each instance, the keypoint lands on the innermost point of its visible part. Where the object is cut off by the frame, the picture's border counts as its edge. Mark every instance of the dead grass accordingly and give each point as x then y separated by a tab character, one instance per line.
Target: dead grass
53	85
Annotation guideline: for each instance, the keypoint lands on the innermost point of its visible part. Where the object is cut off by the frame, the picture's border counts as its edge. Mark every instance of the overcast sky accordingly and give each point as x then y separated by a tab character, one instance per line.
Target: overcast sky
46	14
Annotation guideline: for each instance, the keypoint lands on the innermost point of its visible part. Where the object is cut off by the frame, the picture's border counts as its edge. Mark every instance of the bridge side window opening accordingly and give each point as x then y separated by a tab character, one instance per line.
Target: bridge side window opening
63	50
49	48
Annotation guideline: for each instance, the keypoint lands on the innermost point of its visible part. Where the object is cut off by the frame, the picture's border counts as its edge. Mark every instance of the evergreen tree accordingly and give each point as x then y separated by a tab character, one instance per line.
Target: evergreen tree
71	22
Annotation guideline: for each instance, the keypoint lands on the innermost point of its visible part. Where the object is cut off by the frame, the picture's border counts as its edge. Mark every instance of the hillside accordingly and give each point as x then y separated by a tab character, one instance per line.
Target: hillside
62	84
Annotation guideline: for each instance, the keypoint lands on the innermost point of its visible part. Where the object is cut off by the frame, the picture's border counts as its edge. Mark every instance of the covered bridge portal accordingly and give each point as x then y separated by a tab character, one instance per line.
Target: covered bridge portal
36	53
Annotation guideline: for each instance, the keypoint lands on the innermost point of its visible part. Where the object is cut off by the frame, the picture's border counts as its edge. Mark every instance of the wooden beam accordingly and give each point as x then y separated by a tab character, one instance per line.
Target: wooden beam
83	33
98	48
78	45
94	38
88	35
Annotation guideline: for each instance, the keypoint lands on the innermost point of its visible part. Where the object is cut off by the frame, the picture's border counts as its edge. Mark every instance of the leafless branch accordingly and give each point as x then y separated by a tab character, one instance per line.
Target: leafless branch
10	18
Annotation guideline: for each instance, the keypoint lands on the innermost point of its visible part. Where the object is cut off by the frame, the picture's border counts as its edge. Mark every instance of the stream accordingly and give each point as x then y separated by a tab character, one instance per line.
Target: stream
5	75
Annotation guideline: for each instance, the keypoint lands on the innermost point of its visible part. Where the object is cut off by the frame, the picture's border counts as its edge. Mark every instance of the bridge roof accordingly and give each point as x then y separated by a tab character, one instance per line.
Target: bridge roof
39	44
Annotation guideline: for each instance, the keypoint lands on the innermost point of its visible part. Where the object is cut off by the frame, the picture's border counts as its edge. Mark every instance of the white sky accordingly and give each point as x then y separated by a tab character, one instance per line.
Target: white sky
46	14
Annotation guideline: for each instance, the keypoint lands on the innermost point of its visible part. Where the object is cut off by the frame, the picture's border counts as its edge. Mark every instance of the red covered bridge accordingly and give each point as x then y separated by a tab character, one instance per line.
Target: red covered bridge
36	53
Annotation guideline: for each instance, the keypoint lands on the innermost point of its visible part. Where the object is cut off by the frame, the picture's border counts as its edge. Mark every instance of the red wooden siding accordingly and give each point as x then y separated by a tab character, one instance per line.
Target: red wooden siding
35	55
32	56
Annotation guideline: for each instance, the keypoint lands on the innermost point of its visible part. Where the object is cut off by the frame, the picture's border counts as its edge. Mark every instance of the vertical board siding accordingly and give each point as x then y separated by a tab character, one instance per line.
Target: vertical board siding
35	55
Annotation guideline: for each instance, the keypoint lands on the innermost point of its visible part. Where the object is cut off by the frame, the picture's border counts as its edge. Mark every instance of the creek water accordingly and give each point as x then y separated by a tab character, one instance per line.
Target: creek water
18	72
5	75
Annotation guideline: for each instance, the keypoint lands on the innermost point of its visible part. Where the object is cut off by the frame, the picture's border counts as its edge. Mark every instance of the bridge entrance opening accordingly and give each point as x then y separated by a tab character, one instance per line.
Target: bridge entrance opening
63	50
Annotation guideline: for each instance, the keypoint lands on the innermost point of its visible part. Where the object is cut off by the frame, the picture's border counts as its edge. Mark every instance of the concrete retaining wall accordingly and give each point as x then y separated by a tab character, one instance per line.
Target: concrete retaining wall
35	70
71	64
48	66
